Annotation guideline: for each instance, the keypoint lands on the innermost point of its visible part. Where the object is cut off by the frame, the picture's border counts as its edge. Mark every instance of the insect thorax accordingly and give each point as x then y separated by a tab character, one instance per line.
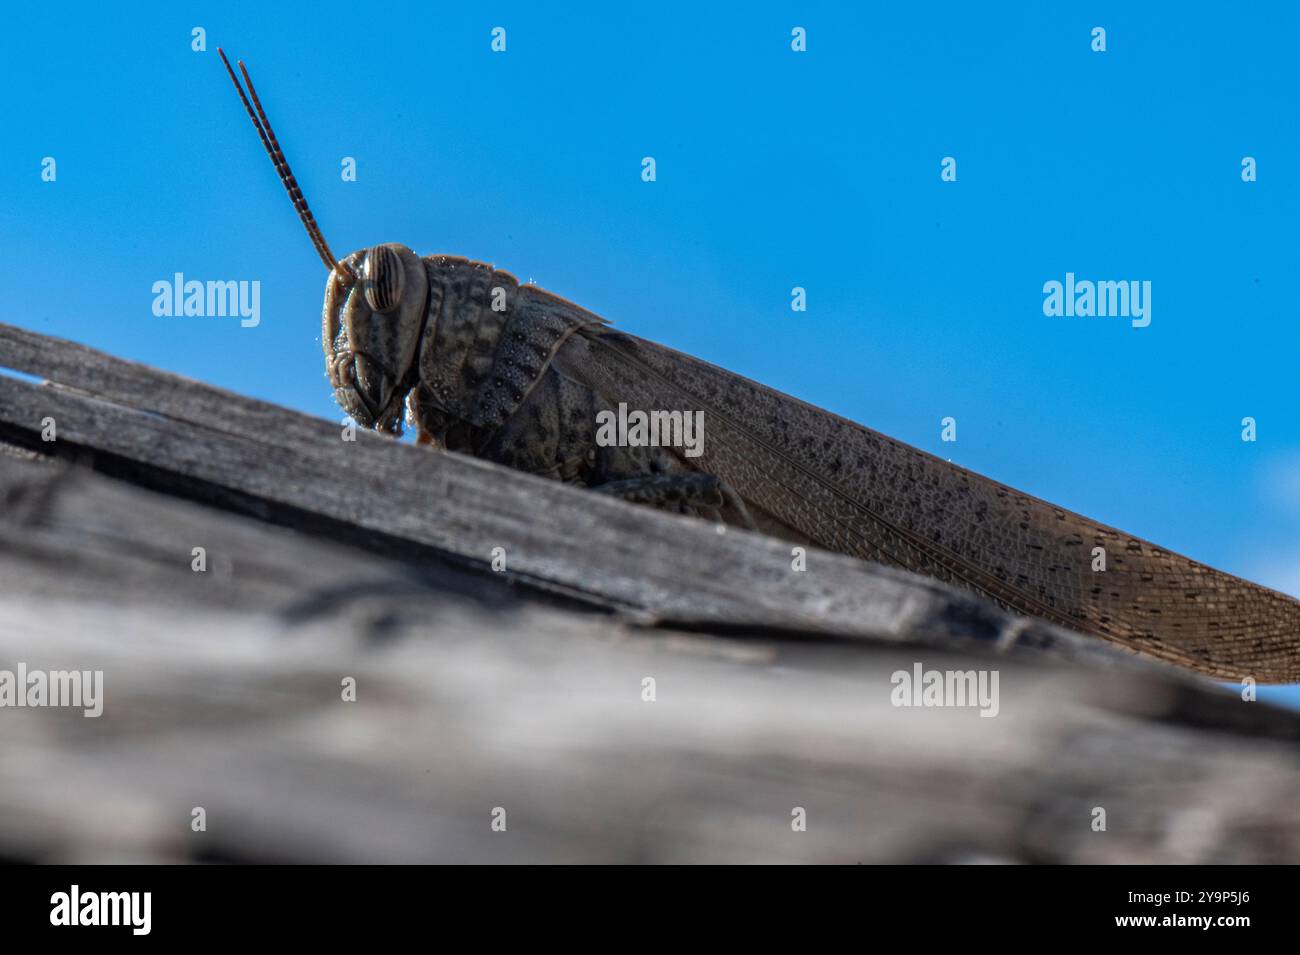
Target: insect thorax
486	344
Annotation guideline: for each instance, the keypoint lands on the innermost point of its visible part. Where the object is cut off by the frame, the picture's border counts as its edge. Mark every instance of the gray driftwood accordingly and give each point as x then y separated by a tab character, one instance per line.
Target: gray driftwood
523	690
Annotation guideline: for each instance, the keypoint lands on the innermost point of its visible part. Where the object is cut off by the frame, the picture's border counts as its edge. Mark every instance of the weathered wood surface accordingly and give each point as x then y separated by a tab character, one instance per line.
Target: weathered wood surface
161	427
223	691
523	691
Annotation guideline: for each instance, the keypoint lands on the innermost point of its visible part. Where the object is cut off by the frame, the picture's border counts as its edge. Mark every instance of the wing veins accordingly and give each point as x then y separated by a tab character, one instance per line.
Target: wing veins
963	570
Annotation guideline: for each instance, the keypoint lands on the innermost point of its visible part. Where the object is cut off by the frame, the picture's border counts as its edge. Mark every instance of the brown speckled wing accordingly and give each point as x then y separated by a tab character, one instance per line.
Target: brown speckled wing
853	490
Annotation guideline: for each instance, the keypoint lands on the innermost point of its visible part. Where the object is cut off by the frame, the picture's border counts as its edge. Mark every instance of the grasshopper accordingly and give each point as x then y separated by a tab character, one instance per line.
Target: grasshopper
516	375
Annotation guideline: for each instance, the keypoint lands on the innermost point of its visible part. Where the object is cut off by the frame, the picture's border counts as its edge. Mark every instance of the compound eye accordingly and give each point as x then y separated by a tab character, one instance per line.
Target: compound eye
382	279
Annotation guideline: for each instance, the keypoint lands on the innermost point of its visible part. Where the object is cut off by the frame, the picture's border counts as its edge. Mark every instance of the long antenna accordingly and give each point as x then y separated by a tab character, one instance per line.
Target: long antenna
273	150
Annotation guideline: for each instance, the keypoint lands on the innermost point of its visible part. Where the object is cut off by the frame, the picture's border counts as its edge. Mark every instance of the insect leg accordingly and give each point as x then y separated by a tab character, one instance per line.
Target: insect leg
684	493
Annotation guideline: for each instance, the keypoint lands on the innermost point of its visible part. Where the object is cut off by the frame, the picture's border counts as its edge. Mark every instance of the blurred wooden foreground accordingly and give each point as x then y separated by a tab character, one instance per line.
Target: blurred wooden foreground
523	691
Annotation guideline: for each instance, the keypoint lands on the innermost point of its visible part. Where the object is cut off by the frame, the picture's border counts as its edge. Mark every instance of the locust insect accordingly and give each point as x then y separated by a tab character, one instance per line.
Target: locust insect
510	373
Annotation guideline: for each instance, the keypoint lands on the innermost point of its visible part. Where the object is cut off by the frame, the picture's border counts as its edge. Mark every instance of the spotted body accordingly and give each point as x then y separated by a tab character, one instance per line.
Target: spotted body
513	374
485	366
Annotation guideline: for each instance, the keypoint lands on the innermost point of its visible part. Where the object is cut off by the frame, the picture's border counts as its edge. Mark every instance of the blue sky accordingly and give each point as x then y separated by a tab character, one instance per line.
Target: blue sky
774	170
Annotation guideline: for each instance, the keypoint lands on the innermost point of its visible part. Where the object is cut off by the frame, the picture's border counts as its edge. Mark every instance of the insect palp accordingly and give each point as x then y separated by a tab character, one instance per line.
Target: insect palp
346	275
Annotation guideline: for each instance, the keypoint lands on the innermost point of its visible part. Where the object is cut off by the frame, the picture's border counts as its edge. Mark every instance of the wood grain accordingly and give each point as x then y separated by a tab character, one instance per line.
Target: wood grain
478	690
